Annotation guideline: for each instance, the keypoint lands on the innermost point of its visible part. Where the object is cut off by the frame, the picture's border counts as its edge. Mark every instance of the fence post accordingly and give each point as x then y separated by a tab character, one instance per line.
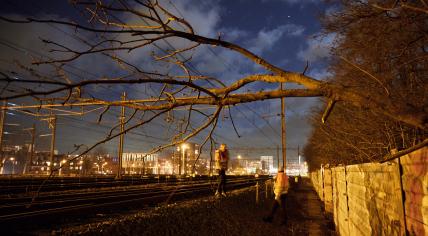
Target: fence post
266	189
403	195
347	199
319	183
332	192
257	192
322	185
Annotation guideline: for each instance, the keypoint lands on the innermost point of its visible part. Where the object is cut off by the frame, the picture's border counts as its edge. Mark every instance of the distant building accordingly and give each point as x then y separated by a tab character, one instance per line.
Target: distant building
202	166
184	158
140	163
294	168
17	159
267	164
253	166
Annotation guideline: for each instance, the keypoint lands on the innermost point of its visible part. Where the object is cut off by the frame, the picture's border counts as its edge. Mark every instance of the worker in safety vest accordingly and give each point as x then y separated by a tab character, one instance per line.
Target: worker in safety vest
221	161
280	189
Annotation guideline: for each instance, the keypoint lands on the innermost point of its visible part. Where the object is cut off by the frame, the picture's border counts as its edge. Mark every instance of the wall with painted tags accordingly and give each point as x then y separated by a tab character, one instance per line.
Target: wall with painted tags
377	198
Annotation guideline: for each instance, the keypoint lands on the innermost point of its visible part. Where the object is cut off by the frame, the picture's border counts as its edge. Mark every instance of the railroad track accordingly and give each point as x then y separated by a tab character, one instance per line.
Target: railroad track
49	209
14	186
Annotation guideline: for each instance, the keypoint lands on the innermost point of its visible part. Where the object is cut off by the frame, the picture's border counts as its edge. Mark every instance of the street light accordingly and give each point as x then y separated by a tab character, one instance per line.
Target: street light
184	147
102	167
98	167
13	164
48	163
80	167
61	165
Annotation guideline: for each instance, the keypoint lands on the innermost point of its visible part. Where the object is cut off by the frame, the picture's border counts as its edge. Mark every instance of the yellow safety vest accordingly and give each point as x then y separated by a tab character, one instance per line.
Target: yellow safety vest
281	184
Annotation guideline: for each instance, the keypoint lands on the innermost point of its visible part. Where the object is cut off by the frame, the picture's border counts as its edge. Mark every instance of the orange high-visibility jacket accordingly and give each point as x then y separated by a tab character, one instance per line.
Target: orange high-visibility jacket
281	184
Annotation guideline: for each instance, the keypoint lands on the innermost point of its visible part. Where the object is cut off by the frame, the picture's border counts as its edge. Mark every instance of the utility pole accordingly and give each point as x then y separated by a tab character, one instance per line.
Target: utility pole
29	163
121	137
33	138
52	125
277	155
180	161
283	134
2	118
184	161
298	156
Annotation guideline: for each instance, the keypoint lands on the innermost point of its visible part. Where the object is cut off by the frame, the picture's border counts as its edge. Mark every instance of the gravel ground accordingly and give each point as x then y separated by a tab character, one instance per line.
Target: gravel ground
237	214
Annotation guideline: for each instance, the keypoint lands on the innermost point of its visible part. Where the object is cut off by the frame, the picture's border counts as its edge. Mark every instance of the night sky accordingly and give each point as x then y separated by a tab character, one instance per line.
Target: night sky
282	31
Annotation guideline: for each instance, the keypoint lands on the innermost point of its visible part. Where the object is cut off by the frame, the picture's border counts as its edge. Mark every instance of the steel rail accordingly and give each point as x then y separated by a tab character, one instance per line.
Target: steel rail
114	198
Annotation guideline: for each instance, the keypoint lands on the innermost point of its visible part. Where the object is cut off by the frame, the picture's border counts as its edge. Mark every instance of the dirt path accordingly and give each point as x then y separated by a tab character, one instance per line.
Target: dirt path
306	210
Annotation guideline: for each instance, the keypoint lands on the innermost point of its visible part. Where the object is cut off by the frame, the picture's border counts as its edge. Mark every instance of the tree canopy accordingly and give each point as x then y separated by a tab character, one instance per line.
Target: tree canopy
380	52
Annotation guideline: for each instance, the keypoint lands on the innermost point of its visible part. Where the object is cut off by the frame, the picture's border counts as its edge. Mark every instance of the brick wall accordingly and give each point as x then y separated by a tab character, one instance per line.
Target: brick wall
328	190
375	198
340	200
415	186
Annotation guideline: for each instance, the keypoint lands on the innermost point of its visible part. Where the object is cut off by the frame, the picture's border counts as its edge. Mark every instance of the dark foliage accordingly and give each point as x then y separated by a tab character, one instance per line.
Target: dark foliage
381	52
